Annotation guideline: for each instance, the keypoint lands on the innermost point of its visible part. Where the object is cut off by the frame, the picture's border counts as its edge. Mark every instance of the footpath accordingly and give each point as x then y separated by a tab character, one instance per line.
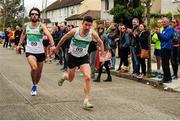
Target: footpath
153	81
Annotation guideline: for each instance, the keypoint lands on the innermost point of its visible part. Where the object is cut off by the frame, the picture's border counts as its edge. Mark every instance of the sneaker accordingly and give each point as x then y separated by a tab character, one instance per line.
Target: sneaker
50	61
109	79
62	68
45	61
118	69
174	77
87	105
96	80
65	70
140	76
112	68
134	75
34	90
160	76
60	82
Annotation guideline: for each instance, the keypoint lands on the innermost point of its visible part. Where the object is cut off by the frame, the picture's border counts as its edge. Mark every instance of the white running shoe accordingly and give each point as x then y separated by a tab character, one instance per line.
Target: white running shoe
34	90
87	105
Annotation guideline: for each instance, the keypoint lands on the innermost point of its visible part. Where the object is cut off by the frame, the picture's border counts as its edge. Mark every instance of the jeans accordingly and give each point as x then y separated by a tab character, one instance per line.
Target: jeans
113	60
135	60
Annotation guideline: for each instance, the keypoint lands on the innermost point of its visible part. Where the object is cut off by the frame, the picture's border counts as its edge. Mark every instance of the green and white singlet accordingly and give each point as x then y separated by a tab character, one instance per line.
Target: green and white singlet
34	39
79	45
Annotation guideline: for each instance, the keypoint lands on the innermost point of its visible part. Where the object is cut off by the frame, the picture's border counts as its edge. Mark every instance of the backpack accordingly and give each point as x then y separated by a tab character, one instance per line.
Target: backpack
176	35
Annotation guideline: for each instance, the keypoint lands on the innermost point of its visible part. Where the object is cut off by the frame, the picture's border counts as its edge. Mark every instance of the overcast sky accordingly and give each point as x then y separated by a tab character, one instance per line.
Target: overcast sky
35	3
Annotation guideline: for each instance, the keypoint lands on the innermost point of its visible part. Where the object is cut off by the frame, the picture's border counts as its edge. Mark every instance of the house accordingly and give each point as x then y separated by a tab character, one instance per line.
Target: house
77	18
156	6
106	6
61	10
170	6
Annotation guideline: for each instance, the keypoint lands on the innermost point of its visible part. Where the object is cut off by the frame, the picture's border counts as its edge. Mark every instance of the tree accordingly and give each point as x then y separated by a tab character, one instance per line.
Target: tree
125	10
10	12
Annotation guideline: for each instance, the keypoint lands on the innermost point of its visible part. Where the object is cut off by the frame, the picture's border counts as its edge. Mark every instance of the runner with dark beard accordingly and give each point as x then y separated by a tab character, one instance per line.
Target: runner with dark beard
35	54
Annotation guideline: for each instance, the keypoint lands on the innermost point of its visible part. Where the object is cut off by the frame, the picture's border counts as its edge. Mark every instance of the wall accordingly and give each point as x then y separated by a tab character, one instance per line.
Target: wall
59	15
105	15
90	5
156	6
169	6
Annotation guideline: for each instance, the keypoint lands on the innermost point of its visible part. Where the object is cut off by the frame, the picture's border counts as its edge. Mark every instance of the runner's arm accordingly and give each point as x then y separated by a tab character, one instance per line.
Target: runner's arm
65	37
45	30
99	41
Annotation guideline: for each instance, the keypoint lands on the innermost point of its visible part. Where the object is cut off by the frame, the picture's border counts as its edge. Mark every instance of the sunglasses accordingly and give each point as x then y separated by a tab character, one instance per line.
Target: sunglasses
34	14
123	28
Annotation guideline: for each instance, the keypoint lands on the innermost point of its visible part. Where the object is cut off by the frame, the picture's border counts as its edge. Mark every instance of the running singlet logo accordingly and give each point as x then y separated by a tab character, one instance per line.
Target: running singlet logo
79	44
34	39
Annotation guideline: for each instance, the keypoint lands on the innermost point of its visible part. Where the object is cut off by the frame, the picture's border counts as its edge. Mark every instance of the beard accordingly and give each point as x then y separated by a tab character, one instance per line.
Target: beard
34	20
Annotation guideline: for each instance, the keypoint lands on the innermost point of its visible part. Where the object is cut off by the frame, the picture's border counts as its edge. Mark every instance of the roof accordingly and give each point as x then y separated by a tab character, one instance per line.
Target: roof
46	20
62	4
95	14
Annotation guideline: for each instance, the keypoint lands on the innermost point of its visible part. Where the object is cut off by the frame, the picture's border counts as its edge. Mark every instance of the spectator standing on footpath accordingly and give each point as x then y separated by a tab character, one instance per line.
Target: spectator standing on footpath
157	50
6	38
112	35
143	38
108	56
17	36
166	38
65	47
123	44
176	41
92	58
177	26
134	46
46	45
56	38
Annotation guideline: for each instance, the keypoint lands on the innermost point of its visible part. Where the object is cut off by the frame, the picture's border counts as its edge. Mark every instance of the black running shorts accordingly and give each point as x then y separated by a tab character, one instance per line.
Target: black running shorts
40	57
77	61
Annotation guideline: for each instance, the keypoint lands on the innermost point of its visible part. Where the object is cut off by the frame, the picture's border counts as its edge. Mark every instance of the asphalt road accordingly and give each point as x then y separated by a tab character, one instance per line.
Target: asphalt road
121	99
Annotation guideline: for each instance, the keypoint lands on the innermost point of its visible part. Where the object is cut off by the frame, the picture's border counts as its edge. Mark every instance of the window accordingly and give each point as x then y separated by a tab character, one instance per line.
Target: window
106	5
72	11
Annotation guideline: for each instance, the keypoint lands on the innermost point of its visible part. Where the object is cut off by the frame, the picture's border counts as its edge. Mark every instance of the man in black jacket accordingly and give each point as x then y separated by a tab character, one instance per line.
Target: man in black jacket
17	37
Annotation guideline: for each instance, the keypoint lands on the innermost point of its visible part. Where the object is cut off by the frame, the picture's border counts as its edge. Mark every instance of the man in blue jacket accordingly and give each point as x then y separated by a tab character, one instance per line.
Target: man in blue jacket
166	38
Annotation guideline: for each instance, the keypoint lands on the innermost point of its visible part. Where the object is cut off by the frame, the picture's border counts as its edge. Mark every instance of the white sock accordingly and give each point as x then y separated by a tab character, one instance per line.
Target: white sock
85	100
